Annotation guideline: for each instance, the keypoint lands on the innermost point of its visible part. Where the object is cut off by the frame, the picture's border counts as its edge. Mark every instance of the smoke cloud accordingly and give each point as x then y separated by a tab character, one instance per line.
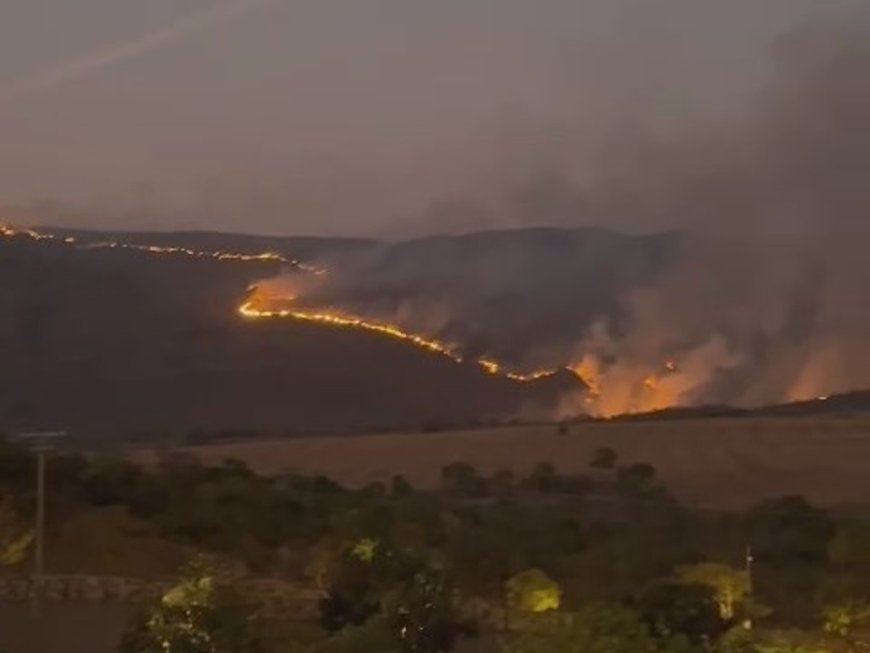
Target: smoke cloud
91	63
780	313
762	298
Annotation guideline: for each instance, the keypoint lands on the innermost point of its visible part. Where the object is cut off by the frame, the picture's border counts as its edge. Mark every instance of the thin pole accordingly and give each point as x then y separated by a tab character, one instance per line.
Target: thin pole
749	561
41	446
747	623
39	558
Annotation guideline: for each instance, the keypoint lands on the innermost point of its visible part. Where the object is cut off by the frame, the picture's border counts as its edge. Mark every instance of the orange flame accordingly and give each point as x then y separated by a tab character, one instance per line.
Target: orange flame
220	255
609	391
250	310
620	389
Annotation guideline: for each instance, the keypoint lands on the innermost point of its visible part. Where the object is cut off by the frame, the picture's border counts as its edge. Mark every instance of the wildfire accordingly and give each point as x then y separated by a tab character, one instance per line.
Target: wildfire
611	387
11	232
531	376
8	231
250	310
617	389
651	383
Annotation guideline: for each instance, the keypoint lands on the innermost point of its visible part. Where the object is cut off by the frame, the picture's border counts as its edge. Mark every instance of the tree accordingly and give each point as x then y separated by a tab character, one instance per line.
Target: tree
678	609
543	478
849	575
462	480
203	613
597	628
533	591
15	539
603	458
730	586
637	479
737	640
400	487
843	619
375	635
850	547
790	531
789	647
790	540
340	611
424	614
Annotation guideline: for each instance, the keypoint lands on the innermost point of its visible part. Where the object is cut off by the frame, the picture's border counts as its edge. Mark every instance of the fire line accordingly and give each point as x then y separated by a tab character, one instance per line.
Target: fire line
8	231
251	311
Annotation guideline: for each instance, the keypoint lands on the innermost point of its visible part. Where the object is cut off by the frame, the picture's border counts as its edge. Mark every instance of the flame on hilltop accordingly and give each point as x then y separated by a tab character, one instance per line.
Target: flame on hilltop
612	388
606	394
8	231
250	310
254	309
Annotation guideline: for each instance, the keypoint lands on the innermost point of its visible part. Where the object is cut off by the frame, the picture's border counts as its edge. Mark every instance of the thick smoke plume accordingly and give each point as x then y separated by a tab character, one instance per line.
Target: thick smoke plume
762	297
768	302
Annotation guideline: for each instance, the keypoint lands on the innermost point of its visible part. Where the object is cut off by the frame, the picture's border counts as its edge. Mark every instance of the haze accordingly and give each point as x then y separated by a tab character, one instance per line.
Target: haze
382	117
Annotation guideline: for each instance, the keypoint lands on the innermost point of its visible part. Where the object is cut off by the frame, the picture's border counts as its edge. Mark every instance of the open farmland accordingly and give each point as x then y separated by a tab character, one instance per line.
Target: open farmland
714	462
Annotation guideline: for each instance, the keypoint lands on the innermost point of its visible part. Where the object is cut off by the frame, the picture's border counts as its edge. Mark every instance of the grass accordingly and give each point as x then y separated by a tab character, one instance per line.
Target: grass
712	462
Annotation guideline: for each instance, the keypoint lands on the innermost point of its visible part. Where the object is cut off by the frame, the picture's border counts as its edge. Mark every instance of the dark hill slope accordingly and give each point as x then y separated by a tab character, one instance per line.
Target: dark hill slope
502	292
119	341
293	247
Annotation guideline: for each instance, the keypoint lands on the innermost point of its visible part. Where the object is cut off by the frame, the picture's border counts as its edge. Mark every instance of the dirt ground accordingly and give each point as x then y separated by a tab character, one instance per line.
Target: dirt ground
714	462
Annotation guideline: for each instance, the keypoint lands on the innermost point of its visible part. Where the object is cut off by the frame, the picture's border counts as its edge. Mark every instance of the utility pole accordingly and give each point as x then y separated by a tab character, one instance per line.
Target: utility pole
747	624
749	561
41	446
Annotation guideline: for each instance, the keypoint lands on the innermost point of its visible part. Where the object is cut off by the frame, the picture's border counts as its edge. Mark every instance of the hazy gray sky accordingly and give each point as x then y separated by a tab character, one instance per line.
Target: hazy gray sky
350	116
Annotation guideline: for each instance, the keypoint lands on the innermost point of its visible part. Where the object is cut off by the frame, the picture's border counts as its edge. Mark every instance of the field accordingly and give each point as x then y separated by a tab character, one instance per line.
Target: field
714	462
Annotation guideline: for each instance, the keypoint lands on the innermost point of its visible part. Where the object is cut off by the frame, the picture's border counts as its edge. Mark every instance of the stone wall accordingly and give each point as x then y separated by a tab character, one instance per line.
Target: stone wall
277	594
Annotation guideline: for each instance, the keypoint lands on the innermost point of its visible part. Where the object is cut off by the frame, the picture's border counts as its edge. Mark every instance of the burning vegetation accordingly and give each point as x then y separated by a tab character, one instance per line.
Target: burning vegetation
8	231
258	307
648	367
608	390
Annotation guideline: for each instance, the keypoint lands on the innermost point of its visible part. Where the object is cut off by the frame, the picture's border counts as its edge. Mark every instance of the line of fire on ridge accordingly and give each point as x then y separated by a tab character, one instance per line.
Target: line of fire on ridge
251	311
248	309
219	255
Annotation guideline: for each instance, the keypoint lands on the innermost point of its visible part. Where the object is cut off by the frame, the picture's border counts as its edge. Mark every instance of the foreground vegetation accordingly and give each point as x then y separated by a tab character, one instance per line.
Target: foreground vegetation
606	562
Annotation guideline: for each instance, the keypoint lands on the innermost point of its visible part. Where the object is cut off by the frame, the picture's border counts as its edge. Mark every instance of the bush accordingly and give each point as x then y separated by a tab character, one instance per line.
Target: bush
203	613
671	609
599	628
603	458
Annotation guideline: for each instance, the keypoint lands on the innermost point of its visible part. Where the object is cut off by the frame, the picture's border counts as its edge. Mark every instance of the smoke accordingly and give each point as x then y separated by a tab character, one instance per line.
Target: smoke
796	164
766	301
762	298
79	68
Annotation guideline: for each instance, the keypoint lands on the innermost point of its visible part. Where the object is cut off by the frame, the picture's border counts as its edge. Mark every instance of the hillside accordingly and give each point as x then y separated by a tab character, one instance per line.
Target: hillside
103	341
138	332
294	247
512	294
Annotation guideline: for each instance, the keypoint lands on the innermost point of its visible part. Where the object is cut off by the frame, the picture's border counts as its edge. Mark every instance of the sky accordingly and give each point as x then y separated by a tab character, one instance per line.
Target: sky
357	117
